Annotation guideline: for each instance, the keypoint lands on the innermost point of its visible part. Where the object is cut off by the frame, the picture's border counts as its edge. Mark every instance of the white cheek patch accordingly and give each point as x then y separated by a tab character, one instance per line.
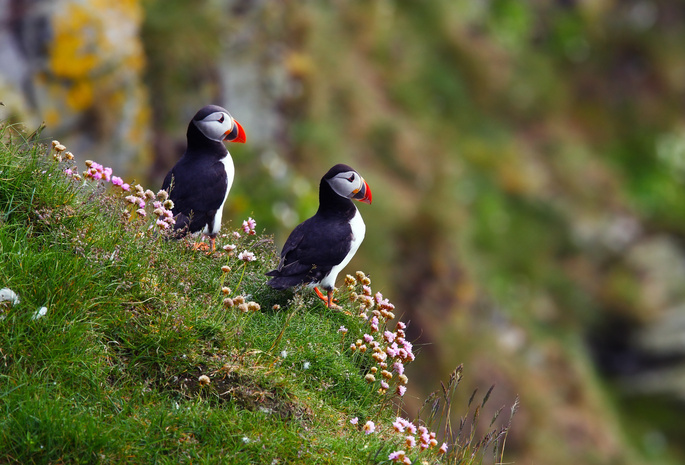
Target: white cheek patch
343	187
212	128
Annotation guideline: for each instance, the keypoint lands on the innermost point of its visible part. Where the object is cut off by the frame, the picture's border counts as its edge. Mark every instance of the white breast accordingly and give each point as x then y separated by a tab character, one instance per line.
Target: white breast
230	174
358	231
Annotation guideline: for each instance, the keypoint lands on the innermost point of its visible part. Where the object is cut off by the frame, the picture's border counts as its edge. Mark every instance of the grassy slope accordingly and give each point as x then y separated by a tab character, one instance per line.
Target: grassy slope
110	373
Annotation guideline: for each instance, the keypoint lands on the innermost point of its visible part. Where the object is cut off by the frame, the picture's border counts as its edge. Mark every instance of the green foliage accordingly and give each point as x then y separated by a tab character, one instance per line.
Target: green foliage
149	351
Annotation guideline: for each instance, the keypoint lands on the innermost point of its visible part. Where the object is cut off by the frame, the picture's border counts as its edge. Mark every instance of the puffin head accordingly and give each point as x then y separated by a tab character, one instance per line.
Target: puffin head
347	183
217	124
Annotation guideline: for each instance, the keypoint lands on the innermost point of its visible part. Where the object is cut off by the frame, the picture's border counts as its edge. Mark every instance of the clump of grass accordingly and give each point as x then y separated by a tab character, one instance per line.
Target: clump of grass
123	346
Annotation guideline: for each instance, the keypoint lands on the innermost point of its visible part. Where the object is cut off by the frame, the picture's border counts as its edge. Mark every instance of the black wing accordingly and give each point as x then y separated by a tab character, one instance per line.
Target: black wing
312	249
197	189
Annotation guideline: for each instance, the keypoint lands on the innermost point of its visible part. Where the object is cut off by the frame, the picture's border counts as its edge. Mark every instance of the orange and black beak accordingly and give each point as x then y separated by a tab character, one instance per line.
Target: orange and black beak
237	134
363	194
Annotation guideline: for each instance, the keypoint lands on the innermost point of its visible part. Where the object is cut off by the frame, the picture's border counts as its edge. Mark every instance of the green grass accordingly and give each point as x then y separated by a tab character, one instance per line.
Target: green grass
112	372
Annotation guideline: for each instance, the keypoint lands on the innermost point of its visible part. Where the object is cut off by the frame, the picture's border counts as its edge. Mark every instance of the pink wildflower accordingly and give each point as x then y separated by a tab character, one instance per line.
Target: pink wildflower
342	329
385	385
399	367
388	336
246	256
354	421
397	456
162	224
249	225
368	338
411	429
399	425
125	187
229	247
443	448
369	427
374	324
410	441
141	212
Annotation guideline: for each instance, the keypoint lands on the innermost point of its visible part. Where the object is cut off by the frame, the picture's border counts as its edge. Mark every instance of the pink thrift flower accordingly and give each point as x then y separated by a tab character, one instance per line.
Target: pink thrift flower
443	448
125	187
249	225
401	325
398	425
354	421
342	329
397	456
117	181
69	172
162	224
107	173
385	385
374	324
389	337
246	256
229	247
369	427
411	428
141	212
410	441
368	338
399	367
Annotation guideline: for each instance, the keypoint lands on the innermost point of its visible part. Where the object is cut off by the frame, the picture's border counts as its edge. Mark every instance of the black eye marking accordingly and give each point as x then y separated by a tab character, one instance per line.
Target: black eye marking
221	120
351	178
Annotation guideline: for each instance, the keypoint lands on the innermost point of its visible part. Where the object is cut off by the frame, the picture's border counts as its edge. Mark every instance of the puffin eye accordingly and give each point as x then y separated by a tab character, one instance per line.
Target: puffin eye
221	120
351	178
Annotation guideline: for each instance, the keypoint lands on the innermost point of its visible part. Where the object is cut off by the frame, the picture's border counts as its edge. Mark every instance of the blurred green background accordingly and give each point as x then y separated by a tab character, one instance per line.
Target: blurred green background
527	162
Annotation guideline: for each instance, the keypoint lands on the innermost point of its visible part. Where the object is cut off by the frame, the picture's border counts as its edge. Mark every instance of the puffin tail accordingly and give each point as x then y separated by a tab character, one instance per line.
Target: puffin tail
182	226
281	283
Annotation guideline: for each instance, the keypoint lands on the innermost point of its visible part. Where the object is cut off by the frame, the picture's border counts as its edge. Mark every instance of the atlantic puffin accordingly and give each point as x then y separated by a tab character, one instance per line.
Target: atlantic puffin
200	181
321	246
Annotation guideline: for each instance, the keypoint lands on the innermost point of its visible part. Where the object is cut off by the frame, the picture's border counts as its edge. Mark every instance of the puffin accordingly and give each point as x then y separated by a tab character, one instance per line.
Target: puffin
321	246
199	182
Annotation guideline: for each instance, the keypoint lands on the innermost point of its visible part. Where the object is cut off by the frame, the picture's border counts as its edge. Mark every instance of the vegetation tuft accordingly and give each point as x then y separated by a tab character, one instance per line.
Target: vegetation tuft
118	345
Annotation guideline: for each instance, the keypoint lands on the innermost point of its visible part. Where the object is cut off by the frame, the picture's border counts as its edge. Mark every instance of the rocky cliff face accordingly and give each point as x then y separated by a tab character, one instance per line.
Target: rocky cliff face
77	66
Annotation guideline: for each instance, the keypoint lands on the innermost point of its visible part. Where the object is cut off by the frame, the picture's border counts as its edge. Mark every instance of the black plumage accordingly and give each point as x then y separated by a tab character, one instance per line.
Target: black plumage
199	183
319	247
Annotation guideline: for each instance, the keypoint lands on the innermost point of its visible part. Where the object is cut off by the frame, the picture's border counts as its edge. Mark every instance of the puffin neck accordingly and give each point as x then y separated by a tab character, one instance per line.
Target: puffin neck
197	140
332	203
